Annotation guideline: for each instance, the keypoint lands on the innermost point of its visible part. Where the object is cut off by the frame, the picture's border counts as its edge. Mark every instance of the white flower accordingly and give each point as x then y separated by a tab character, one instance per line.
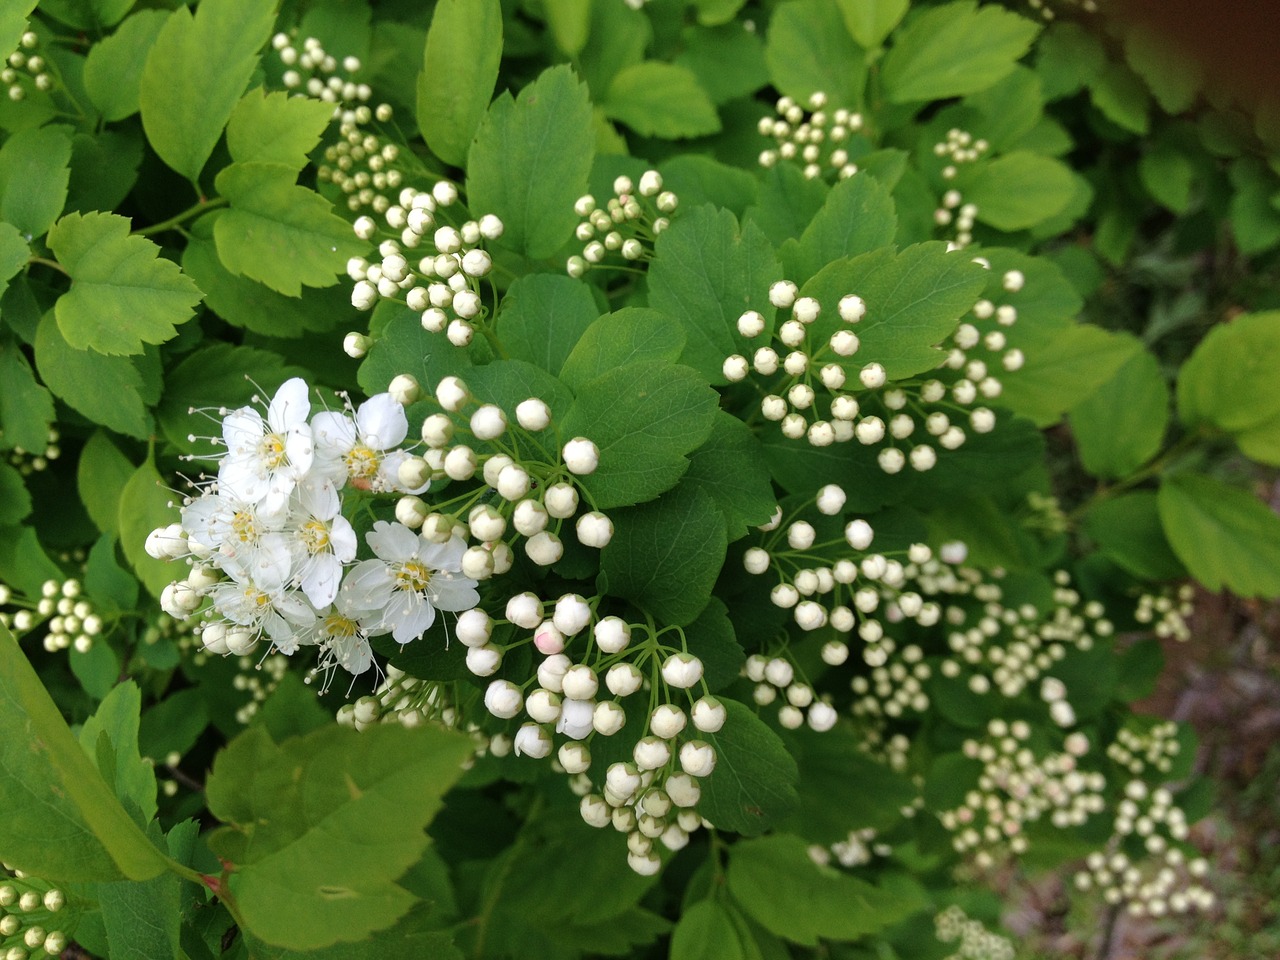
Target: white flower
360	450
266	458
411	580
276	612
321	539
243	538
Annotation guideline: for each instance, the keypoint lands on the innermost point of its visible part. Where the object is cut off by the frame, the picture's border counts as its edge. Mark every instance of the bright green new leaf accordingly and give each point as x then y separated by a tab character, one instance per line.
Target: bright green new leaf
1255	223
715	12
731	467
620	338
644	417
61	821
706	932
34	174
100	478
1127	531
15	501
14	253
1020	189
570	22
13	22
1122	97
706	272
143	920
276	127
857	217
1063	368
113	68
665	555
123	294
870	21
546	134
542	317
185	104
459	71
116	720
145	504
26	408
1226	536
809	50
317	855
954	50
753	785
278	233
107	390
1121	425
658	99
914	299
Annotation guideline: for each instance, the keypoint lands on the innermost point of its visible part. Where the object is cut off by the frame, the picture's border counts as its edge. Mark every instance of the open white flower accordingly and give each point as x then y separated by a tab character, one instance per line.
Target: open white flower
267	457
320	538
244	538
341	632
275	612
361	449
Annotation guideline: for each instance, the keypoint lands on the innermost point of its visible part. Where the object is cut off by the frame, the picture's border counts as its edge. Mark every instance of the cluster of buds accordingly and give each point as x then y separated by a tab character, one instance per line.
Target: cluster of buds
1017	787
893	750
976	941
25	66
28	462
957	149
33	915
626	227
1045	8
894	688
776	677
856	850
259	679
817	397
69	618
813	138
976	348
316	73
1167	612
400	698
427	263
1139	750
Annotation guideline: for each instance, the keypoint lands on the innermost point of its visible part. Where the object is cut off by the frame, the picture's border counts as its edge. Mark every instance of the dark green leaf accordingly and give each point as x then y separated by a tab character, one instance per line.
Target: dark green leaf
15	501
753	785
459	70
26	408
1127	530
697	179
1122	424
809	50
147	503
731	467
857	217
107	390
620	338
33	178
104	169
728	61
658	99
542	317
706	932
1122	97
101	476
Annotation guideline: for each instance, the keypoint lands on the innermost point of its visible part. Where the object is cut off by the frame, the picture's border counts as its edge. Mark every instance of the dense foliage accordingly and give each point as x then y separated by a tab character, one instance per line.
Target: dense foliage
562	478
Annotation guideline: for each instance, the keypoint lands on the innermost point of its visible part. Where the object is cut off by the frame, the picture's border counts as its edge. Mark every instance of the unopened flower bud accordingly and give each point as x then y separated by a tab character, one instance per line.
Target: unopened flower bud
612	634
697	758
623	679
682	670
532	740
544	548
533	414
594	529
581	456
474	627
356	345
503	699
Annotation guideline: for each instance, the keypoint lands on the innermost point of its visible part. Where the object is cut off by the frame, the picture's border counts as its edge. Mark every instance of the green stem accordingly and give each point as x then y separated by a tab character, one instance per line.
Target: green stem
1153	468
190	213
46	262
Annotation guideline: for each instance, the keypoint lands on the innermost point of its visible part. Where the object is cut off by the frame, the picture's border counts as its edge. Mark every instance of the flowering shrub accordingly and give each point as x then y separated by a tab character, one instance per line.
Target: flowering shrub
405	552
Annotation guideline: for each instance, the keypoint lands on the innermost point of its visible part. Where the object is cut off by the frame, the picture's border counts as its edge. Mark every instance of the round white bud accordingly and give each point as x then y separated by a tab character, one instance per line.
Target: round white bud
682	670
524	610
532	740
503	699
612	634
594	529
623	679
474	627
581	456
452	394
533	414
561	500
697	758
544	548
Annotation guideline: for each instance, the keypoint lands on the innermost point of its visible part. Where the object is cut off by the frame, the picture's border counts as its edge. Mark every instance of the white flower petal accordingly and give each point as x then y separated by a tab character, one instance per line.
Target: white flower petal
290	407
382	422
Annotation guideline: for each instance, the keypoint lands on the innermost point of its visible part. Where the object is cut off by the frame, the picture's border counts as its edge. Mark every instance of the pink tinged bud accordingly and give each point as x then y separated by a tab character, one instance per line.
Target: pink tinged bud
548	639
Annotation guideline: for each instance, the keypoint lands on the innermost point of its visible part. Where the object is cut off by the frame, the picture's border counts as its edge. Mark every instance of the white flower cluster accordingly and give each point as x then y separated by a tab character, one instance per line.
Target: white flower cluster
1138	750
427	262
976	941
777	675
856	850
894	688
272	555
957	149
1017	787
1168	611
816	139
401	699
1046	7
25	66
258	679
70	619
29	922
626	227
27	462
1163	880
815	397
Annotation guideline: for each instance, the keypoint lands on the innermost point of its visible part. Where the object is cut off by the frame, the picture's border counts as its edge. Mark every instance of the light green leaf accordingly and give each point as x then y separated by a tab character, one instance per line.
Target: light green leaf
1127	531
113	68
1224	535
546	134
570	21
34	173
857	217
15	501
731	467
706	932
1168	174
145	504
1063	368
62	821
620	338
276	127
143	920
753	785
116	720
665	555
809	50
696	180
1122	97
107	390
101	476
26	408
184	103
87	14
712	13
954	50
1255	223
459	71
1121	425
1020	189
23	563
728	61
14	253
705	273
278	233
316	855
658	99
122	295
644	418
1173	73
1228	382
870	21
542	317
788	202
13	22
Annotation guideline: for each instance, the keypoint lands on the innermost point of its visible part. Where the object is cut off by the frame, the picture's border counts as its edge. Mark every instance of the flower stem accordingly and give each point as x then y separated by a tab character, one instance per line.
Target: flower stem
190	213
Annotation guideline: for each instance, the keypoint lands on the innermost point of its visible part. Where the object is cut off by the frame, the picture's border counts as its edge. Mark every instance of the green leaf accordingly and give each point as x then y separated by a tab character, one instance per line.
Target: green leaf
753	785
731	467
276	127
184	103
14	253
122	295
857	217
569	21
1173	73
1122	97
665	555
1168	174
146	503
34	173
459	71
1121	425
1127	530
781	887
87	14
546	134
278	233
706	932
1063	368
107	390
644	418
618	339
112	587
26	408
23	563
658	99
15	501
1020	189
696	179
415	935
1010	109
712	639
175	723
1224	535
728	61
870	21
705	273
62	821
714	12
116	720
808	50
1255	224
143	920
113	68
101	476
402	346
104	169
542	317
788	202
317	855
954	50
13	23
914	299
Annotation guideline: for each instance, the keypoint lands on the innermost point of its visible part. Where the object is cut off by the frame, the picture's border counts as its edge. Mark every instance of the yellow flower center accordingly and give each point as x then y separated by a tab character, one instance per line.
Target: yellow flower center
314	536
271	451
362	463
244	526
413	576
342	627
